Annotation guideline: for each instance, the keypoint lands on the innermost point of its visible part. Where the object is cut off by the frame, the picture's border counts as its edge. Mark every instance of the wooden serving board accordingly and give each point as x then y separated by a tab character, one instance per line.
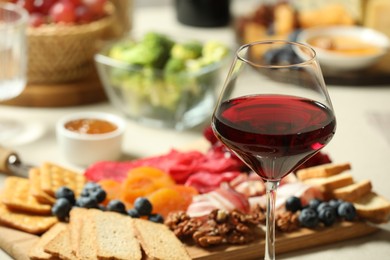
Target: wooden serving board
17	243
81	92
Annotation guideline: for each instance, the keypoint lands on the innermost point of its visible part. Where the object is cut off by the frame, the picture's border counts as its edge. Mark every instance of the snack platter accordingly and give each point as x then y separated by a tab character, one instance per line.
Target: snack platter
17	243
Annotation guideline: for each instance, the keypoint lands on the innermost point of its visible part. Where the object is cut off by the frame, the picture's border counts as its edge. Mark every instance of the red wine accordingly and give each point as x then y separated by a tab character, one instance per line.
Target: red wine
274	134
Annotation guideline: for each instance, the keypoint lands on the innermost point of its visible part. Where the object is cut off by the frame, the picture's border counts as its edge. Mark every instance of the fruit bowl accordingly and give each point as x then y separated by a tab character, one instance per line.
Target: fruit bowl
171	92
346	48
60	52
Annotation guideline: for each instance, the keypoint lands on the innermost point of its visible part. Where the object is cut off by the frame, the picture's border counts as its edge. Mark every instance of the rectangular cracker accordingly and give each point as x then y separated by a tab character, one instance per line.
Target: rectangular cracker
115	236
33	224
53	177
35	187
37	251
158	241
82	233
60	246
17	196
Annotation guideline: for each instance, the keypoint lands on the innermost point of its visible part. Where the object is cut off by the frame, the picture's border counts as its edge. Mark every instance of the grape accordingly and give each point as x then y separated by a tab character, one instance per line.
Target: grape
63	11
36	19
44	6
83	14
96	6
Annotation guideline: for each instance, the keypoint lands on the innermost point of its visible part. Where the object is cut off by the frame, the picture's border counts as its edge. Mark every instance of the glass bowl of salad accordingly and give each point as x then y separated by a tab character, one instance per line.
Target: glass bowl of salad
160	82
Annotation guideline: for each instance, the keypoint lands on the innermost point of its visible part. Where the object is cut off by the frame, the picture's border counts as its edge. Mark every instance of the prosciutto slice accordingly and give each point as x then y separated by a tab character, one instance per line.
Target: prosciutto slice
301	190
224	198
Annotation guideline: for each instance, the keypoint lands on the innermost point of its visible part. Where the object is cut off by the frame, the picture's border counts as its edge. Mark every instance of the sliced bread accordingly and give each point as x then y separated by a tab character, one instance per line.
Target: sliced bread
60	247
354	191
37	251
373	207
328	184
322	171
115	236
87	244
159	242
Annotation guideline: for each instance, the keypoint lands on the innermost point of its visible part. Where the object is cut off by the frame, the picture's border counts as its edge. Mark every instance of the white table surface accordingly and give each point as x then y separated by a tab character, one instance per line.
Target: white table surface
362	137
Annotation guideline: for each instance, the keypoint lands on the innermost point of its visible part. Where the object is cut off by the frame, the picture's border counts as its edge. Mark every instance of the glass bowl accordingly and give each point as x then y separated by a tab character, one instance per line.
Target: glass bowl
150	96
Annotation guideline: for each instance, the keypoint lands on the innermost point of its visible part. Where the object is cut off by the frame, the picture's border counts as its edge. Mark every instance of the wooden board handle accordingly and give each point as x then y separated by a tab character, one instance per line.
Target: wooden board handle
4	155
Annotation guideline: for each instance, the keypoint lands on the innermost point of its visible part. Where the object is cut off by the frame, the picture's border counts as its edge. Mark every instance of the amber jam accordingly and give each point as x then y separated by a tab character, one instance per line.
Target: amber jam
90	126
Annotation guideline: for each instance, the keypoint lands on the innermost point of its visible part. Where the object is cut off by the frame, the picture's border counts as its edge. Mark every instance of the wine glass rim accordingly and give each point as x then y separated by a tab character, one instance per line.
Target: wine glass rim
292	43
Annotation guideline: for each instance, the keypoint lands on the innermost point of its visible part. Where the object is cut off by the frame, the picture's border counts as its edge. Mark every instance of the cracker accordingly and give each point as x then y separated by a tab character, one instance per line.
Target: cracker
53	177
59	247
35	187
37	251
34	224
17	196
82	233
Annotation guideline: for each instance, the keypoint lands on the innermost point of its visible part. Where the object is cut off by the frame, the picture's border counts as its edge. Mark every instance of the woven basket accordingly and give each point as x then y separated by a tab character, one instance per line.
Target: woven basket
62	53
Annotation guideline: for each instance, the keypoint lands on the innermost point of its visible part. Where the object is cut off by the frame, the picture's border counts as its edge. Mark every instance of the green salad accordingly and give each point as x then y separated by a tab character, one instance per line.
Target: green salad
162	72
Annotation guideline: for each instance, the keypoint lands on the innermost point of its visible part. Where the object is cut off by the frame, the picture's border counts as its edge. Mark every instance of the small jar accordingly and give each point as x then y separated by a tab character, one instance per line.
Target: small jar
203	13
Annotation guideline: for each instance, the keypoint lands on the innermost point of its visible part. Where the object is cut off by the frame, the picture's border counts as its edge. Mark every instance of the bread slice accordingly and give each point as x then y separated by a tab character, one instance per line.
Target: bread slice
37	251
159	242
328	184
115	236
86	245
75	224
354	191
322	171
60	247
373	207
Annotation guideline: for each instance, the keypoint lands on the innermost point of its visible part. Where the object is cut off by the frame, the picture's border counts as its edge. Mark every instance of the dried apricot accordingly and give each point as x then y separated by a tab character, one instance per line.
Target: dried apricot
170	199
142	181
112	188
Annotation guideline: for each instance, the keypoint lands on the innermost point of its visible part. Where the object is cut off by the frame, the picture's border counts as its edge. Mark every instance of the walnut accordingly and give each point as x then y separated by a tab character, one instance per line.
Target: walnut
206	241
287	221
219	227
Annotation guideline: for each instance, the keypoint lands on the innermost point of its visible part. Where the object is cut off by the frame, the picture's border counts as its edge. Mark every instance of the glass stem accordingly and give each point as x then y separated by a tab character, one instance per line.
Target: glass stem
271	187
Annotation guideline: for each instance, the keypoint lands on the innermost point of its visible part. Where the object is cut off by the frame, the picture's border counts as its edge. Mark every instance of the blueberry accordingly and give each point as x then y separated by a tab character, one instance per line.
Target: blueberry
157	218
347	211
323	205
335	204
116	206
314	203
99	194
133	213
143	206
327	215
285	56
271	56
61	208
87	202
65	192
308	218
89	188
293	204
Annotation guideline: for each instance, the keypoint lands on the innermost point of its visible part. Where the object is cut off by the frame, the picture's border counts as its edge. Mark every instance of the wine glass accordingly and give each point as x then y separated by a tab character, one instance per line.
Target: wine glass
13	60
274	113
